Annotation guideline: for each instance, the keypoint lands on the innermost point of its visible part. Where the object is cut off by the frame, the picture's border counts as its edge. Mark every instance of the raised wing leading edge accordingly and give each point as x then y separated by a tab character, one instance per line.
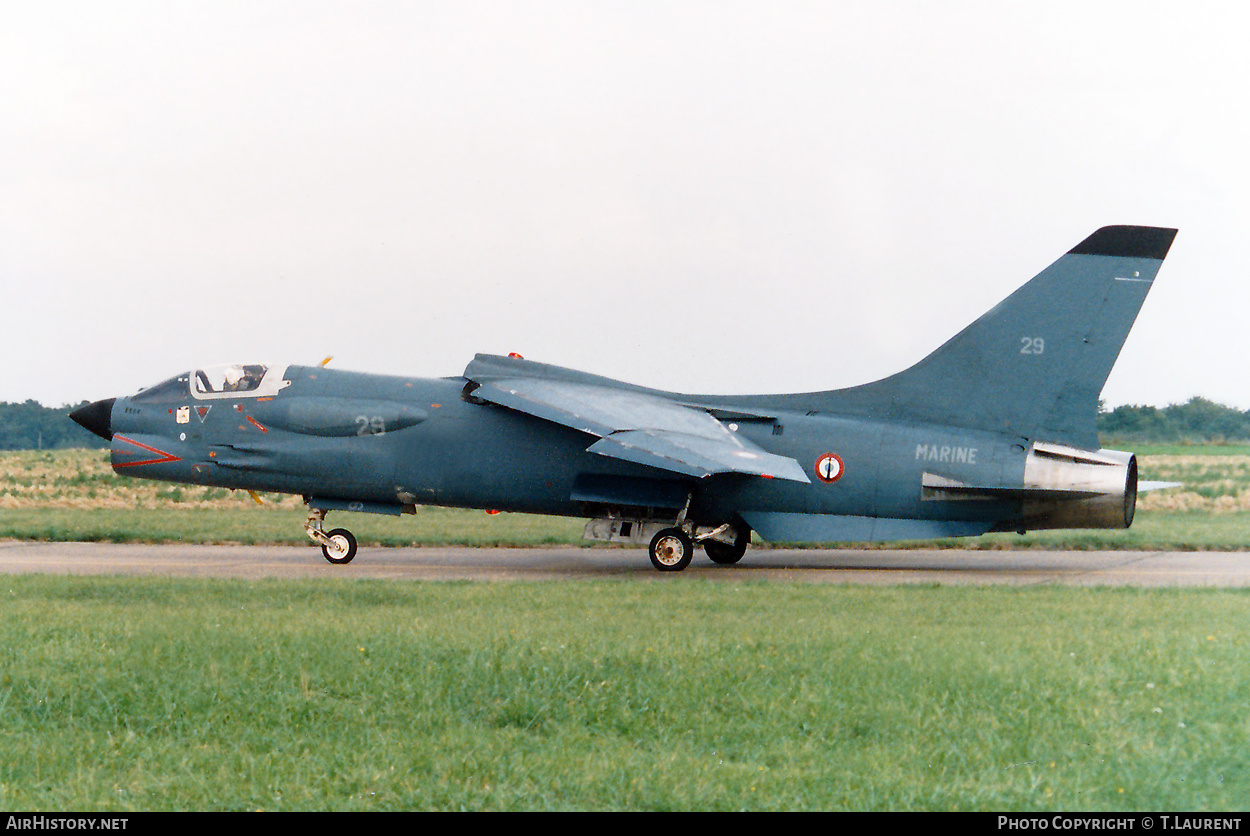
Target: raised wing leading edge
632	425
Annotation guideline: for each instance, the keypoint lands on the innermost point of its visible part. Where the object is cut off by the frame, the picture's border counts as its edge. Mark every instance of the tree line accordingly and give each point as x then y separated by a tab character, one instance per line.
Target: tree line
1197	421
32	426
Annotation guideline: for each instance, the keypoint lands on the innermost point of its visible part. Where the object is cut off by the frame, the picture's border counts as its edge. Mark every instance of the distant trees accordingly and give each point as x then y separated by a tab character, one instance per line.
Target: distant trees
1196	421
32	426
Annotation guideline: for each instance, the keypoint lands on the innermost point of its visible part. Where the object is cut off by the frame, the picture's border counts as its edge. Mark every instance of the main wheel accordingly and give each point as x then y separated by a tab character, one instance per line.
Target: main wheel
341	548
671	550
727	554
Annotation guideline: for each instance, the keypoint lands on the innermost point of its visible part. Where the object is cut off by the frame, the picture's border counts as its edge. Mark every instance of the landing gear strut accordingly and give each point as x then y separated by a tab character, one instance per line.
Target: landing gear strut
338	546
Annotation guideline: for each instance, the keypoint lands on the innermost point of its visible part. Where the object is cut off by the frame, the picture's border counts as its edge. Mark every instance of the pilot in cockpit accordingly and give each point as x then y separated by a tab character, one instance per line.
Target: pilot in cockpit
233	378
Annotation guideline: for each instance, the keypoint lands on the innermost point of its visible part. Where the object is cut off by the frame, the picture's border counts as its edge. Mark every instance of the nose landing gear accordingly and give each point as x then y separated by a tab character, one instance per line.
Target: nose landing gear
338	545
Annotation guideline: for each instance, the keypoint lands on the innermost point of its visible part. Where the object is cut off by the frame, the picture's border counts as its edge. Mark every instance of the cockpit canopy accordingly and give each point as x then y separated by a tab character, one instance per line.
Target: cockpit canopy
229	380
217	380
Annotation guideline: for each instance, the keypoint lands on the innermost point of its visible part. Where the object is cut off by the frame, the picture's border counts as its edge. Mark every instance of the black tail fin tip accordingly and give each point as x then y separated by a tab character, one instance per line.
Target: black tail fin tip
1127	242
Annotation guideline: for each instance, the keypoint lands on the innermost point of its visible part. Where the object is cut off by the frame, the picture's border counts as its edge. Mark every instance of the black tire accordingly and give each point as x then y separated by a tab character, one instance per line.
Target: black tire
671	550
726	554
345	546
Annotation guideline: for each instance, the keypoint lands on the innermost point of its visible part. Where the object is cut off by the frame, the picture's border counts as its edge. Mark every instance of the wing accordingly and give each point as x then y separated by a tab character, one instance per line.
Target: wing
634	425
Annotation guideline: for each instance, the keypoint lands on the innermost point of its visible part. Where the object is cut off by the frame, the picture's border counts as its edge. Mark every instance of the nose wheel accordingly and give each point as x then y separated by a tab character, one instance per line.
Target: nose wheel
341	548
338	546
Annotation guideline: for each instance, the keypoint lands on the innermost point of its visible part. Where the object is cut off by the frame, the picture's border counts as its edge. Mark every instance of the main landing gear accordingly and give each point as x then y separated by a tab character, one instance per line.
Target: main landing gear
672	549
338	545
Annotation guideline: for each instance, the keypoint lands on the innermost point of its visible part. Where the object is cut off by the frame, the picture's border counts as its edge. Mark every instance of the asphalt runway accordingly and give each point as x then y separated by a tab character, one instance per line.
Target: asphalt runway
844	566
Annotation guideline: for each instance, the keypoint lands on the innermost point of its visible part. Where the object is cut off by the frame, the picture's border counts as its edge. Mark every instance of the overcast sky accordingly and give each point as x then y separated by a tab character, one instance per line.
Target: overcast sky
696	196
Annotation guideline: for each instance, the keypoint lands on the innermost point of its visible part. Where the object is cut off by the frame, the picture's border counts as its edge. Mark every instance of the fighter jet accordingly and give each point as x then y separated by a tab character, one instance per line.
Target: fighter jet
993	431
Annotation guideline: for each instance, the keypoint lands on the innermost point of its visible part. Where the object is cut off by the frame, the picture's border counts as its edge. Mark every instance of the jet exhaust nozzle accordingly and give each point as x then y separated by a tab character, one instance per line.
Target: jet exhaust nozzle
1107	477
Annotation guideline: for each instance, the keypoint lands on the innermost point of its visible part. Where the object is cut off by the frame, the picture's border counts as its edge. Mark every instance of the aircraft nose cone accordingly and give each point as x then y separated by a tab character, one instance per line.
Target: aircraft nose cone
96	417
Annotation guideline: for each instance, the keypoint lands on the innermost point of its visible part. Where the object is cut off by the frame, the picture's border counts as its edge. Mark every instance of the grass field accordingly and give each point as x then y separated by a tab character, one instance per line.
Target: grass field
148	694
134	694
75	495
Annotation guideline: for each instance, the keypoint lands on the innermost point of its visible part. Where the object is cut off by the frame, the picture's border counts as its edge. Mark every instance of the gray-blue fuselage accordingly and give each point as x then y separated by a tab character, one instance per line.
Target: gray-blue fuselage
390	442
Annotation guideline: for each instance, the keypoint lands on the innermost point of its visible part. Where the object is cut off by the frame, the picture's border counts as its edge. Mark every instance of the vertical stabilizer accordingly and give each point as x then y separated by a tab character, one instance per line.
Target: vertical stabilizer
1036	363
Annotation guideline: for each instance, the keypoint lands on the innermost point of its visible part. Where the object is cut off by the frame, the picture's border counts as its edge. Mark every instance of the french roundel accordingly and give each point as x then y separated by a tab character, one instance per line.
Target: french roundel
829	467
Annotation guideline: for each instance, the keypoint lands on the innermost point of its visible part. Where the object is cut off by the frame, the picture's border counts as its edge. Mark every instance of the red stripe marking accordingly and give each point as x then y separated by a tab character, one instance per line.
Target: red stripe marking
257	424
165	458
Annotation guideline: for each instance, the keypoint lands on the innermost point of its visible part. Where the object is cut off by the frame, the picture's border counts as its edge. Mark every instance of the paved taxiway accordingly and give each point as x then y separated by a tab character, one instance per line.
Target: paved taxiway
847	566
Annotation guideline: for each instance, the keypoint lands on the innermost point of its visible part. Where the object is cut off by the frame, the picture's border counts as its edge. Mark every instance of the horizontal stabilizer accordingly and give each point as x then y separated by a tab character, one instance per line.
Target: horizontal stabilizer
940	487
